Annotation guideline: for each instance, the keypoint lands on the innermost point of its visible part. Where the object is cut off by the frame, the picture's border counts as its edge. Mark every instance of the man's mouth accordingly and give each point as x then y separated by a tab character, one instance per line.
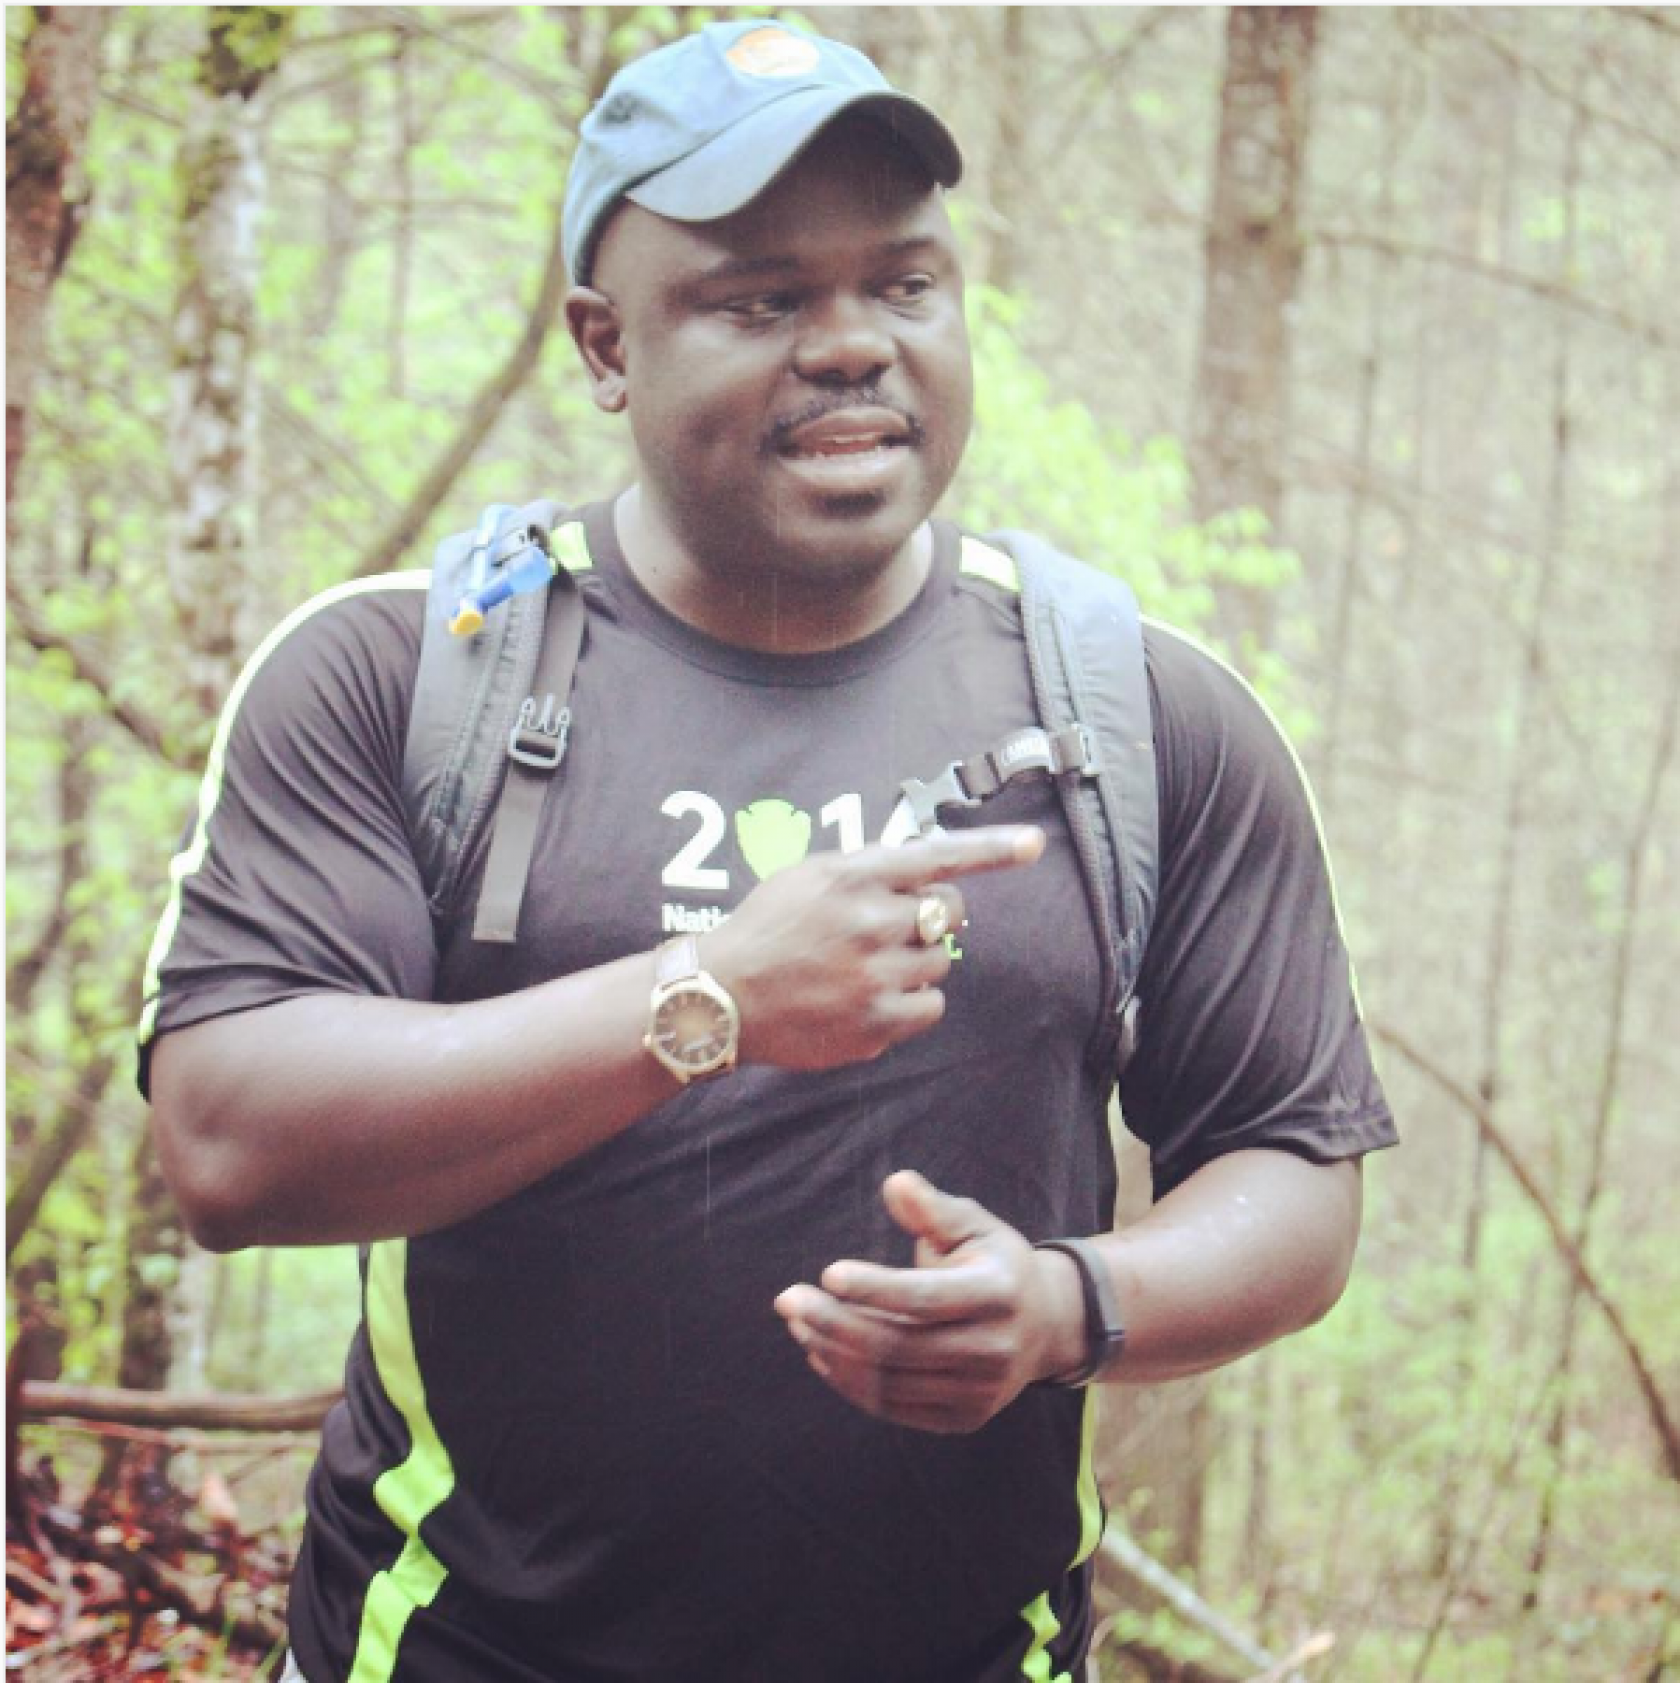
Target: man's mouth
847	432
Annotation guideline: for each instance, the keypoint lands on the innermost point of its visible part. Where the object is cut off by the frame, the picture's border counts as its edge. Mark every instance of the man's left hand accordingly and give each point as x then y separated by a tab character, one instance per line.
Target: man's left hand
946	1344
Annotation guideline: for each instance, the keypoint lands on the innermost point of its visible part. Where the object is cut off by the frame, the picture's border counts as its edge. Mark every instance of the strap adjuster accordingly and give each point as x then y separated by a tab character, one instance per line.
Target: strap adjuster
539	741
966	783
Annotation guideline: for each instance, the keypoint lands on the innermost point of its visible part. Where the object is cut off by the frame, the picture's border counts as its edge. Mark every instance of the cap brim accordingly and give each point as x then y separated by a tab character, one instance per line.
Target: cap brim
731	170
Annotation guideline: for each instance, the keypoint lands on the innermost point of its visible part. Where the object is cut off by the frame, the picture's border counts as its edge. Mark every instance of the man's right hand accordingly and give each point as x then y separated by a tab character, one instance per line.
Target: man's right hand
824	959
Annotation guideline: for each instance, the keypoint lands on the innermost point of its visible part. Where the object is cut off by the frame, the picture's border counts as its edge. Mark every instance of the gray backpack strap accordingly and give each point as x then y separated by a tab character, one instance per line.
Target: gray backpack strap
1084	640
468	696
535	747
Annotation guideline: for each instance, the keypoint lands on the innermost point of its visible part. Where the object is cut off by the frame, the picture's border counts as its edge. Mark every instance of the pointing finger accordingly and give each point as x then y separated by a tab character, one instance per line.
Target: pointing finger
956	853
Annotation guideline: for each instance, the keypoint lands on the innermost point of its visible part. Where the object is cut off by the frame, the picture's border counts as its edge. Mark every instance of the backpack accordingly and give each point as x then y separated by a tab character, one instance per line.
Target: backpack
489	724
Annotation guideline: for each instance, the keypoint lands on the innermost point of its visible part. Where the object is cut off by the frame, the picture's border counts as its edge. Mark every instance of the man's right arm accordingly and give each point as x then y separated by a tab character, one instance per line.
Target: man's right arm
335	1117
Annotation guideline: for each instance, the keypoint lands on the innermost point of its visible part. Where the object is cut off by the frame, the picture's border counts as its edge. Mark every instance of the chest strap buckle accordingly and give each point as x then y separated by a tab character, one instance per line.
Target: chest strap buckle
1033	751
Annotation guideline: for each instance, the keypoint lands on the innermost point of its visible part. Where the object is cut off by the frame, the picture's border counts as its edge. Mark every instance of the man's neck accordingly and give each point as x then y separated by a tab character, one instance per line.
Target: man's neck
778	611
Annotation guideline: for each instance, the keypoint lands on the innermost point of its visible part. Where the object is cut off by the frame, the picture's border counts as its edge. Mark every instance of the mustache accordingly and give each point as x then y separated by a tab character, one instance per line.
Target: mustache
832	403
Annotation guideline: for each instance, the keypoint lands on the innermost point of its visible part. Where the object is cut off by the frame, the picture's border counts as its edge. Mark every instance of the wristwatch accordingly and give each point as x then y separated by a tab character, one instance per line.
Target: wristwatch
694	1027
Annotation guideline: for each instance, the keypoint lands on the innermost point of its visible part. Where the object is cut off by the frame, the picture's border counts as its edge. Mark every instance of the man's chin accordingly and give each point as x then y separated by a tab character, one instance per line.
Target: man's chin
855	537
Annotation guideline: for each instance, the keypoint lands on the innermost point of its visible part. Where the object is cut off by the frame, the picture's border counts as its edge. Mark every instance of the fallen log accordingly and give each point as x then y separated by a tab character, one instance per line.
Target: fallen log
40	1399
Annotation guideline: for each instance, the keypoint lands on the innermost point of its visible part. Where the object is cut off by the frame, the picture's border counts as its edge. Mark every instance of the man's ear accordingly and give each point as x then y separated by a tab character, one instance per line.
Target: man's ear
593	319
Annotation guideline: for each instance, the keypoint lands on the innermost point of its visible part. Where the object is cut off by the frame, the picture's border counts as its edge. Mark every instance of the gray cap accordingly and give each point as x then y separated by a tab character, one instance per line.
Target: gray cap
701	127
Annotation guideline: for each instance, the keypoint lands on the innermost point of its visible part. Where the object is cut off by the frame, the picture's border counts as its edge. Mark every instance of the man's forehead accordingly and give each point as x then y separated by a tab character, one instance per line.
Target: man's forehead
865	202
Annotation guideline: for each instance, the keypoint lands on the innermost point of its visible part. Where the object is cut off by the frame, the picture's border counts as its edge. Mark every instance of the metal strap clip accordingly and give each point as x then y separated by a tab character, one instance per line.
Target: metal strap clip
540	741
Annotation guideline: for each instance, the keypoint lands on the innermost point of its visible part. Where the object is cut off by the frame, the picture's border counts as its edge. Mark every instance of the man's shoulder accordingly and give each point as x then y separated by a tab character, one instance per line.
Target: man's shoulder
342	658
1198	686
370	607
375	620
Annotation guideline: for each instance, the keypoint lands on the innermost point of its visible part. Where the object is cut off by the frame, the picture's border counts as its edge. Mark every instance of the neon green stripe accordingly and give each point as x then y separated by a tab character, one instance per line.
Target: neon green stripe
980	560
570	547
1040	1616
1090	1497
413	1488
1300	771
1036	1666
186	862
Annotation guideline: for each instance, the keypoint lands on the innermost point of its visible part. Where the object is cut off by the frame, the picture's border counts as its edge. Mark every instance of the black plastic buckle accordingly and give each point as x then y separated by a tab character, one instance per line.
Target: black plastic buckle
947	789
540	741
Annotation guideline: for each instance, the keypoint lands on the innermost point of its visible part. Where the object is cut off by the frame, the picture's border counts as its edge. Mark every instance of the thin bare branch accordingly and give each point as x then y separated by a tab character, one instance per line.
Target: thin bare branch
93	671
1118	1548
1364	239
1668	1432
1565	92
24	973
482	414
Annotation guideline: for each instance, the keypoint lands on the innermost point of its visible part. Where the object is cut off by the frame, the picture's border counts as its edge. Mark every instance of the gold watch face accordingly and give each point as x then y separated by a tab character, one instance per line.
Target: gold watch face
692	1030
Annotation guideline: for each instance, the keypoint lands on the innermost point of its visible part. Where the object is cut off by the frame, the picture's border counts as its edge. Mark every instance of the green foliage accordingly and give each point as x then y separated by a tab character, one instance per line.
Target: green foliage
300	1343
1050	463
1394	1406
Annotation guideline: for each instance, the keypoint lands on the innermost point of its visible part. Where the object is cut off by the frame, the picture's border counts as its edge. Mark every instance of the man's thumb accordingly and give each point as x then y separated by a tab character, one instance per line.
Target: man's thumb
932	1216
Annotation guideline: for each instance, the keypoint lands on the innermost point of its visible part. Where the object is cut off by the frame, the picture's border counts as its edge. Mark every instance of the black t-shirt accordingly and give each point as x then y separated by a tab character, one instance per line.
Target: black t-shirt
576	1441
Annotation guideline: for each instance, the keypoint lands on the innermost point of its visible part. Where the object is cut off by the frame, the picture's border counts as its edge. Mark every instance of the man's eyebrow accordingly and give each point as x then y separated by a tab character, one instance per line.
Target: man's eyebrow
746	268
760	268
912	245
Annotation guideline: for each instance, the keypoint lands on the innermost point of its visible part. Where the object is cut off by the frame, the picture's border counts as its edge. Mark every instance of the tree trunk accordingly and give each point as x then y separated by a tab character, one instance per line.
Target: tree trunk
1253	259
1240	418
213	420
1344	590
1520	772
44	142
152	1257
1637	857
212	560
1467	337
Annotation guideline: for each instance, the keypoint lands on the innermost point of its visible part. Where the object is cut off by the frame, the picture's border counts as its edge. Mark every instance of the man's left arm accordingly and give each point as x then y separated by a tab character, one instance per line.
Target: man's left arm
1253	1246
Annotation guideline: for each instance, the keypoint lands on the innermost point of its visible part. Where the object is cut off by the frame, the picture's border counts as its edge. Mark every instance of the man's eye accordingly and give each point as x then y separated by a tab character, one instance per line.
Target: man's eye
907	289
764	306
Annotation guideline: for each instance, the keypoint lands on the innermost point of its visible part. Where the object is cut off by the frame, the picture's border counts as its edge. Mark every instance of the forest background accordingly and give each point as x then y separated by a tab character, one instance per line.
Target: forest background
1348	336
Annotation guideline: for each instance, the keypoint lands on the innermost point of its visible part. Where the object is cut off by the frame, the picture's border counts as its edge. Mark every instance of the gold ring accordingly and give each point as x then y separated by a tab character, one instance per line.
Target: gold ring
933	919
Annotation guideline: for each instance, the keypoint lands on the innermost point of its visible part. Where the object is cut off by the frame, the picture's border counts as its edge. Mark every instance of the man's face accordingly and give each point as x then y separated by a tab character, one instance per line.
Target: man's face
797	375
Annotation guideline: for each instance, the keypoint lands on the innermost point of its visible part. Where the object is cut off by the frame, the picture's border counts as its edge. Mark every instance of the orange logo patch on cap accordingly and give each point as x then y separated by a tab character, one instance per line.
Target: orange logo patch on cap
772	52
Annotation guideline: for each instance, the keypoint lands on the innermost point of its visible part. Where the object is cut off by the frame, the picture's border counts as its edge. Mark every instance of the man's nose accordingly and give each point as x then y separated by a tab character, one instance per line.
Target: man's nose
844	342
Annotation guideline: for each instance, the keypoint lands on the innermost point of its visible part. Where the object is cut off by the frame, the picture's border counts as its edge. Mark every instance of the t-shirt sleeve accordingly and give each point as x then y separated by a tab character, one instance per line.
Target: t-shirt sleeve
296	875
1250	1031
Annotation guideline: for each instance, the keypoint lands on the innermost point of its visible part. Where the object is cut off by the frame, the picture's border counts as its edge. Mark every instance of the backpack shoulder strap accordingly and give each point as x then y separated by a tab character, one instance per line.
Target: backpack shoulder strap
474	698
1084	637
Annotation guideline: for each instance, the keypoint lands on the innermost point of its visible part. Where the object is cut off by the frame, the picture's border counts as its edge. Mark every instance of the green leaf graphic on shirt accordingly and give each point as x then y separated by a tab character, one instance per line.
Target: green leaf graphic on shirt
773	835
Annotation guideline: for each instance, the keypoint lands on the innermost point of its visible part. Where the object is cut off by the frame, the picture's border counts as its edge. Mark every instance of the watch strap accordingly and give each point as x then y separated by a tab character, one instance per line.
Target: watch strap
1105	1332
676	960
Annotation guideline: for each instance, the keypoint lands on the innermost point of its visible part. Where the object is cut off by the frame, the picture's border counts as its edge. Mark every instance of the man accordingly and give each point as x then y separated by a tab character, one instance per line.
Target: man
760	1376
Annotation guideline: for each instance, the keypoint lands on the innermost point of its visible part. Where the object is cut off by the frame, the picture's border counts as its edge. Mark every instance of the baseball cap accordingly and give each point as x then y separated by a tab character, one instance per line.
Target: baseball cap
701	127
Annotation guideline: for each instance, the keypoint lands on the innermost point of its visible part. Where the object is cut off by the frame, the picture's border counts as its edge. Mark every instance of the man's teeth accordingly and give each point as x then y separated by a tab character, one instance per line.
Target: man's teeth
844	446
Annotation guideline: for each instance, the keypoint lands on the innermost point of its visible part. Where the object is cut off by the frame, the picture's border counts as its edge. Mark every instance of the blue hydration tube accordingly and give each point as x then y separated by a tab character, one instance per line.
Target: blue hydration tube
529	568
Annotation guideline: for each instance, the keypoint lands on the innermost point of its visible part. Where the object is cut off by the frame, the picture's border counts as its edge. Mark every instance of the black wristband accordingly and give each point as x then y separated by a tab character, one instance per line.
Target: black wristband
1105	1334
